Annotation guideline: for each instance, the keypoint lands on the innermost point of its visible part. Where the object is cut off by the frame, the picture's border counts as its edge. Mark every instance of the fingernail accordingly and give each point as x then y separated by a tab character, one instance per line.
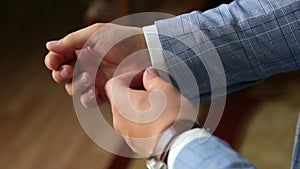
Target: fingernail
151	72
52	43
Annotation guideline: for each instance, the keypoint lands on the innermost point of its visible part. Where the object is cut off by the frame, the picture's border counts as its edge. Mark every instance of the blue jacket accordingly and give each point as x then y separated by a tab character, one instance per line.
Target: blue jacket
254	39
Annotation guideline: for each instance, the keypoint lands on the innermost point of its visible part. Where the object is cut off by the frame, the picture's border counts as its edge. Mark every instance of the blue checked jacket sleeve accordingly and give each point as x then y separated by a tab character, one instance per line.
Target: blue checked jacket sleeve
211	154
254	39
215	153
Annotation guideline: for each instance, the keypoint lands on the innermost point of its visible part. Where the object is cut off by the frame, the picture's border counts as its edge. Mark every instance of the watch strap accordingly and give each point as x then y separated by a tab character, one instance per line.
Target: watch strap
159	156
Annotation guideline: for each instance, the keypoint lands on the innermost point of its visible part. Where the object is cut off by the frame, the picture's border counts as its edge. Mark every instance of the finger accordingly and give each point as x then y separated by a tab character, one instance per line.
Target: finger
152	81
79	85
73	41
90	98
54	61
126	103
120	86
64	74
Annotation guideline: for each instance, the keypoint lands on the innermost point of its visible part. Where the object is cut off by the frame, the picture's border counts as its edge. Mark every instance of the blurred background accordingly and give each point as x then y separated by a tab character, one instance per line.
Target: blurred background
38	125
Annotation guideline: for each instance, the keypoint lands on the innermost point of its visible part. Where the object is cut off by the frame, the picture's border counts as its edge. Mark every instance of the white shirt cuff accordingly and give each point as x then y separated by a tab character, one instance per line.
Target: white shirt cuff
183	140
155	51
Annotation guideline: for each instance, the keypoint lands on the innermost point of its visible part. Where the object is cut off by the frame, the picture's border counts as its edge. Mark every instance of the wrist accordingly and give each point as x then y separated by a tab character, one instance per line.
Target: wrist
158	157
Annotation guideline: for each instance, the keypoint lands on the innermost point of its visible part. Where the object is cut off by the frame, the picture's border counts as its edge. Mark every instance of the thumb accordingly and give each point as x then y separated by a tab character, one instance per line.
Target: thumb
151	80
119	86
73	41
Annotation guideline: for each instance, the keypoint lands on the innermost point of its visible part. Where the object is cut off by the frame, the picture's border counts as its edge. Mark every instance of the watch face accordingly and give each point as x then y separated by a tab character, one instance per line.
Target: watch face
154	164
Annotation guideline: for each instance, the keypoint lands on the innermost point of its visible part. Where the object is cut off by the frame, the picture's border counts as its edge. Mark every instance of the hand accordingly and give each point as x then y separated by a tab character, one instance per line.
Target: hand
96	48
140	120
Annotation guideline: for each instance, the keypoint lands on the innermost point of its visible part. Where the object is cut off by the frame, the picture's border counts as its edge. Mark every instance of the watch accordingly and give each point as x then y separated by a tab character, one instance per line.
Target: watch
158	157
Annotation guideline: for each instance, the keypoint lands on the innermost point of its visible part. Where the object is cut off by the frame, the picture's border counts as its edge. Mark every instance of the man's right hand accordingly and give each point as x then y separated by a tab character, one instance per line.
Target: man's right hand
140	116
99	42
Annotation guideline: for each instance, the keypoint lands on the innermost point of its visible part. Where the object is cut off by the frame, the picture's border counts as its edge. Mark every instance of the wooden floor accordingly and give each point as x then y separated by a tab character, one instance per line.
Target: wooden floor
38	125
39	128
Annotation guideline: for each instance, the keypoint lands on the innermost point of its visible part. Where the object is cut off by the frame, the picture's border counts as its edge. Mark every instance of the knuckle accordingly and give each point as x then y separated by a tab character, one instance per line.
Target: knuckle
75	88
70	37
116	125
114	109
107	86
47	62
97	25
68	89
56	77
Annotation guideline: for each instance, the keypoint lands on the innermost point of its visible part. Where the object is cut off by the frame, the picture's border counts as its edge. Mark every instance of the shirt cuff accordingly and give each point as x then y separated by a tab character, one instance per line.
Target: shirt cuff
183	140
155	51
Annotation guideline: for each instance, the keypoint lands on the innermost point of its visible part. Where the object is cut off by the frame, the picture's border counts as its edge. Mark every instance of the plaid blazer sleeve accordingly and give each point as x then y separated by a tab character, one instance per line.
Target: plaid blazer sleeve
212	154
254	40
216	153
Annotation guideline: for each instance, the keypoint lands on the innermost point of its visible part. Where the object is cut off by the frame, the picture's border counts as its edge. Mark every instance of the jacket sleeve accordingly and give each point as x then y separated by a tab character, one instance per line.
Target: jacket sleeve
253	39
205	152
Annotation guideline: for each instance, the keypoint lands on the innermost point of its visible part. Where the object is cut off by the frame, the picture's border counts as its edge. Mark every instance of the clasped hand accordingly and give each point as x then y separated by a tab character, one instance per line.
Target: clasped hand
150	110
